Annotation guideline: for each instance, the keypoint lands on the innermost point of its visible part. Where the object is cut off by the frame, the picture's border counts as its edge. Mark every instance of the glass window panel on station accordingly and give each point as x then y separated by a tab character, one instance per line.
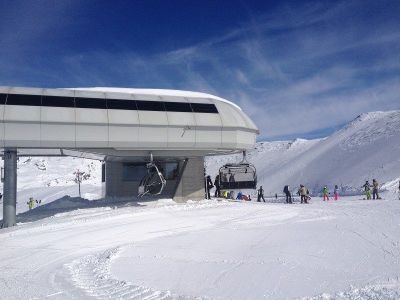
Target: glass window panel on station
169	170
204	108
90	103
121	104
177	106
20	99
56	101
150	105
3	98
133	171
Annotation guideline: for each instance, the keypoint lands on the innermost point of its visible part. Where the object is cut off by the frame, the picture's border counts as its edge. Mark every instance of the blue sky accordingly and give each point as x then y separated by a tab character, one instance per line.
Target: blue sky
299	69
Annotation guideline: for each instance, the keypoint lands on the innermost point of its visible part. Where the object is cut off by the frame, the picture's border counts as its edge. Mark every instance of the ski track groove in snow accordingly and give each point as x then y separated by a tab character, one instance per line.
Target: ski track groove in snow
92	274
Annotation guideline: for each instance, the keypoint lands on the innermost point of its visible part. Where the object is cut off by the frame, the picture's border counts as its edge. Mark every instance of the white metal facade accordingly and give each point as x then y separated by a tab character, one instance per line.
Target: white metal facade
25	126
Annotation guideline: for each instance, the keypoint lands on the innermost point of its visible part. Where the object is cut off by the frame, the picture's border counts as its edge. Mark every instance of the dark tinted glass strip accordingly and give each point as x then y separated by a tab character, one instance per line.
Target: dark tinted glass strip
204	108
3	98
150	105
54	101
91	103
121	104
17	99
177	106
99	103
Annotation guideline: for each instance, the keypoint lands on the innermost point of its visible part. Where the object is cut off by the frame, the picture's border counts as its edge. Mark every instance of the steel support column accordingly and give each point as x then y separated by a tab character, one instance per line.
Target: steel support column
10	188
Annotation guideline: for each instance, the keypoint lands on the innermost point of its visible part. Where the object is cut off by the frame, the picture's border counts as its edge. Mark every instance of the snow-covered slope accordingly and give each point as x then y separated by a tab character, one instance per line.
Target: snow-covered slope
50	178
56	171
367	148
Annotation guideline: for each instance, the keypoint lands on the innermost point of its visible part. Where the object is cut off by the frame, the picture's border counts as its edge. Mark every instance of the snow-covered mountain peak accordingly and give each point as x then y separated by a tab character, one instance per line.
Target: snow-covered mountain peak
370	128
365	148
375	116
297	143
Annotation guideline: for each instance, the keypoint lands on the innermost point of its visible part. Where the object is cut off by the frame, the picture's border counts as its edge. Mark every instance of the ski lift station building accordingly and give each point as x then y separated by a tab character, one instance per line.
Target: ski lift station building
123	128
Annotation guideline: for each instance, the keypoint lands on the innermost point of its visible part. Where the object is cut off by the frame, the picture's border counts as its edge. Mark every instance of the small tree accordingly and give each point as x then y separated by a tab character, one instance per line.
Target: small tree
78	179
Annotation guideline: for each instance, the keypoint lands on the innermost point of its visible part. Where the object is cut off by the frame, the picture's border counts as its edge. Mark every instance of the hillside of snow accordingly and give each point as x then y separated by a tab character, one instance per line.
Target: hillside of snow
50	178
367	148
56	171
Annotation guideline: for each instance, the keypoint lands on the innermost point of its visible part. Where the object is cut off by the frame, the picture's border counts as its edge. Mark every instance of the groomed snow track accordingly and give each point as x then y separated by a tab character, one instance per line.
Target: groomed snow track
92	274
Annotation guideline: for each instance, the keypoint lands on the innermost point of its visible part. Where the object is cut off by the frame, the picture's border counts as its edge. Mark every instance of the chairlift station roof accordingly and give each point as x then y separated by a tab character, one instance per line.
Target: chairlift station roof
115	123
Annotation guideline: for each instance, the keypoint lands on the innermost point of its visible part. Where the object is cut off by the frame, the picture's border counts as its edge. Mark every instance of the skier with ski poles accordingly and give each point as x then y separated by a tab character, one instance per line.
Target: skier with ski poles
209	186
31	203
367	190
260	194
375	187
303	194
288	194
217	187
336	192
399	189
325	192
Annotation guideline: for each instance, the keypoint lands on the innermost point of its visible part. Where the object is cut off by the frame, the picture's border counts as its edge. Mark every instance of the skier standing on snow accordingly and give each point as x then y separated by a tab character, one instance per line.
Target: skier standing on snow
31	203
303	194
217	187
367	190
288	194
375	186
325	192
209	186
336	192
260	194
231	177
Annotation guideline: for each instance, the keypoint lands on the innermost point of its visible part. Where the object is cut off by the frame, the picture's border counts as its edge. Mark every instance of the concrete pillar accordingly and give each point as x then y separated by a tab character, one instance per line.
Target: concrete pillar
10	188
191	185
113	178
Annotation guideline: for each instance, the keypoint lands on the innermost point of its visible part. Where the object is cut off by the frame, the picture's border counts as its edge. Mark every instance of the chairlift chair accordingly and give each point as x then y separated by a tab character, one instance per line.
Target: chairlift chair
236	176
153	182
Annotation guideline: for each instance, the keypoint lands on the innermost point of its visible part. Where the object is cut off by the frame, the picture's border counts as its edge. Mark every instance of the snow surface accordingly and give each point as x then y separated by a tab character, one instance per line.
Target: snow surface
210	249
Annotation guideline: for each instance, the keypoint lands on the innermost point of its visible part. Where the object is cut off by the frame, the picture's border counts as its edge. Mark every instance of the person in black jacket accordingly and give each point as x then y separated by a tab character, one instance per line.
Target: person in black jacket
217	187
209	186
399	189
260	194
288	194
